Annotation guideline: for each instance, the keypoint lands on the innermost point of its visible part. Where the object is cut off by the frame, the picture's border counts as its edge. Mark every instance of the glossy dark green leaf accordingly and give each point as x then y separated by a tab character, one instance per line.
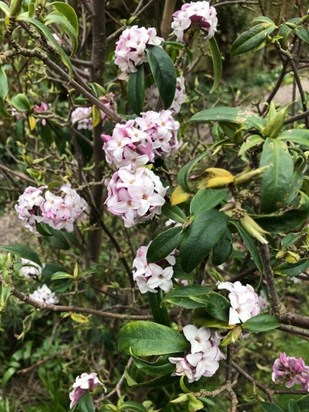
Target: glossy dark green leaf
222	248
164	244
174	213
289	269
200	237
184	172
4	87
252	38
201	317
303	403
207	199
216	62
163	72
59	19
215	305
68	12
160	367
250	245
182	296
146	338
270	407
136	89
132	406
23	251
261	323
276	181
303	33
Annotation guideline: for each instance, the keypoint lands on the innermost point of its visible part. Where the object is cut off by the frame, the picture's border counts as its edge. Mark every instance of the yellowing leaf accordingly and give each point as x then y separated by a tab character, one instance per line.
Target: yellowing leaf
217	172
179	196
216	178
96	116
79	318
32	122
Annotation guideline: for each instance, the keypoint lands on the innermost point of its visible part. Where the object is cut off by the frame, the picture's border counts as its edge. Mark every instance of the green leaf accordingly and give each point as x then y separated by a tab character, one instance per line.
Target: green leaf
202	234
296	269
276	181
288	221
207	199
5	8
303	403
61	275
261	323
48	35
164	74
216	62
164	244
59	19
132	406
85	404
24	252
252	141
252	38
21	103
68	12
160	367
222	249
228	114
4	87
146	338
215	305
250	245
136	89
299	136
270	407
200	317
302	33
174	213
184	172
182	296
293	406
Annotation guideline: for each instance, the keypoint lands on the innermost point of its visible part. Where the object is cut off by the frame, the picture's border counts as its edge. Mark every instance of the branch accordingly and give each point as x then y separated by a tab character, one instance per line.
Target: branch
295	330
21	176
75	309
300	116
259	385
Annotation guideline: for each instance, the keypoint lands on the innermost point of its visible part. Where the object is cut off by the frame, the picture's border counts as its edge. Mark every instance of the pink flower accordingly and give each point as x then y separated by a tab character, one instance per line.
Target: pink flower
245	303
162	130
84	383
59	212
28	206
135	195
131	48
183	368
127	146
153	95
41	108
200	13
151	276
81	116
291	371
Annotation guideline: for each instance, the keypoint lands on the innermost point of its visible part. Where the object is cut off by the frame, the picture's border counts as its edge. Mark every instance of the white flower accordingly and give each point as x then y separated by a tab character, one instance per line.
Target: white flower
199	338
245	302
30	269
200	13
183	367
206	363
83	384
44	295
151	276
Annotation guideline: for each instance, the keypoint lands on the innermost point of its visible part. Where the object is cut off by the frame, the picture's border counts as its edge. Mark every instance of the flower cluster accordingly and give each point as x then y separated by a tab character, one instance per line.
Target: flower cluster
137	141
59	212
200	13
41	108
44	295
291	371
203	360
83	383
81	117
245	303
131	48
153	96
135	195
151	276
30	269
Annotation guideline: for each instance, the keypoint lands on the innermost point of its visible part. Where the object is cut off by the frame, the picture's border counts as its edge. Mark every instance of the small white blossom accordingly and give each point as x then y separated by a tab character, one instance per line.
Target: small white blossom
30	269
44	295
84	383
